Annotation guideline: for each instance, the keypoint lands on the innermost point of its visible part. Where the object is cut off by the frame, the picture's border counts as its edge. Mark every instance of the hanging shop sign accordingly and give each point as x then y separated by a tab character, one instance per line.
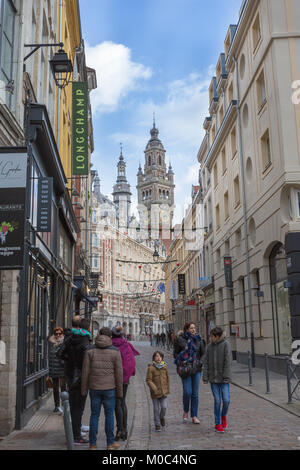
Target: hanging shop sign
13	176
228	271
181	284
80	135
45	194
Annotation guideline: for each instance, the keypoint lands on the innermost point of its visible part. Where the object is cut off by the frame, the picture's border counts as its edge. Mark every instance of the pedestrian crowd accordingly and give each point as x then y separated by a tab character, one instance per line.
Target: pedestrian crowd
103	370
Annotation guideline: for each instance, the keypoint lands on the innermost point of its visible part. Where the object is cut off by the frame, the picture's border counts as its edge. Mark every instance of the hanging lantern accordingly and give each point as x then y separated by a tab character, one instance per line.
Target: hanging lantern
140	267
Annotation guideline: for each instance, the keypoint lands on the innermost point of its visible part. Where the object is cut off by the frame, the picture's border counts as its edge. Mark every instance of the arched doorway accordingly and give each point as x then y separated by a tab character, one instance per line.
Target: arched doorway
280	300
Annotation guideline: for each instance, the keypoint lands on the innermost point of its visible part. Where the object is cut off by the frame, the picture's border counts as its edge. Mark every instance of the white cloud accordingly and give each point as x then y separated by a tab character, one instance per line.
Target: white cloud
117	74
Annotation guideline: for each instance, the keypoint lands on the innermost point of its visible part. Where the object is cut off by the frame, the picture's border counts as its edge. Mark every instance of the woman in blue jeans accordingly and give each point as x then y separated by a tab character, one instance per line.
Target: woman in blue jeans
189	348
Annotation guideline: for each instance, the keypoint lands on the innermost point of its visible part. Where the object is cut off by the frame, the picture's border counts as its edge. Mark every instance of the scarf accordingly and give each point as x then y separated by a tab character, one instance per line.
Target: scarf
188	355
56	342
159	366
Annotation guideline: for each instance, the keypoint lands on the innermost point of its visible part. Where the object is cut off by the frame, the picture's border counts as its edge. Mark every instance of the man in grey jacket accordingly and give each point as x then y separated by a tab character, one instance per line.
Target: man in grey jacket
102	375
217	371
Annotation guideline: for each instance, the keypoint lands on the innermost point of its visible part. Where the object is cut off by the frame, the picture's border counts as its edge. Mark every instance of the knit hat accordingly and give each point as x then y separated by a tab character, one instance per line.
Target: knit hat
117	332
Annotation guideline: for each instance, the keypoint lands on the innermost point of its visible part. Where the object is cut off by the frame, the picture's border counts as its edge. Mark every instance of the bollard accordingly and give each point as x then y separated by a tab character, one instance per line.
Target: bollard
288	375
67	420
250	369
267	373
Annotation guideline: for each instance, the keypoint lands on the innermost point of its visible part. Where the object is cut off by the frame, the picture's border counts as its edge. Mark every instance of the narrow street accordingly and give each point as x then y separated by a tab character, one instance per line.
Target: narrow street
254	423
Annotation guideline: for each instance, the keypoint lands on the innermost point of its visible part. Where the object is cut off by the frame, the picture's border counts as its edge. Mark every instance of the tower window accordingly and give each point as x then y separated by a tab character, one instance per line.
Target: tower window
159	160
149	160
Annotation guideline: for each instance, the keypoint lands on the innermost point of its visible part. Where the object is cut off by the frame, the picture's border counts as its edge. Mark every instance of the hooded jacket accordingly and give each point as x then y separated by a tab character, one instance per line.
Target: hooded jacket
102	368
128	354
72	351
217	364
158	380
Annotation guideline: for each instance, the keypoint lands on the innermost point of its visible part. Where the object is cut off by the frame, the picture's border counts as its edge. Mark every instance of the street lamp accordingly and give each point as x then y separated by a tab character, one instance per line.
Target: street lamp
155	256
62	68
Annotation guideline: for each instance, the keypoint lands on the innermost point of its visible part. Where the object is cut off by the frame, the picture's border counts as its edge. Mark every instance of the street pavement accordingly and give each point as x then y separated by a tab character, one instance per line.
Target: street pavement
255	422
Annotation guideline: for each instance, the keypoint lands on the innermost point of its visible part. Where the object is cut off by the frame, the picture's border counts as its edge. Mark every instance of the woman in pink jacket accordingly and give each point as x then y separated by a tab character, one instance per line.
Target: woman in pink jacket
128	354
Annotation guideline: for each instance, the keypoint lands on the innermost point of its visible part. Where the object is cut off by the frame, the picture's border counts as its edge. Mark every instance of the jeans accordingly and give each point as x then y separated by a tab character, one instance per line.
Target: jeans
121	411
190	393
159	409
107	398
77	404
221	392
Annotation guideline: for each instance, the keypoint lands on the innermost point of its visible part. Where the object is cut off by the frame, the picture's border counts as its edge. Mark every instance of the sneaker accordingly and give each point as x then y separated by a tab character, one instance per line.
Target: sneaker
157	428
85	428
218	428
93	448
81	441
224	422
185	417
195	420
58	409
163	422
114	446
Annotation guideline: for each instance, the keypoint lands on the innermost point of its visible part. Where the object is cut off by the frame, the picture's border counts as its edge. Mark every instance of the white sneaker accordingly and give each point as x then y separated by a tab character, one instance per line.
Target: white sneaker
85	428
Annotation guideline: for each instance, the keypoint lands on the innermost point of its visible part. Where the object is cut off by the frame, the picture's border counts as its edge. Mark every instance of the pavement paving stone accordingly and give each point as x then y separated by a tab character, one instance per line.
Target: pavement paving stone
254	423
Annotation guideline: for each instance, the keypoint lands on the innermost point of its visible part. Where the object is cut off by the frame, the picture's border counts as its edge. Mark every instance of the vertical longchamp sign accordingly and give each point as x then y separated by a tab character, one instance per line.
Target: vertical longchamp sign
13	175
80	134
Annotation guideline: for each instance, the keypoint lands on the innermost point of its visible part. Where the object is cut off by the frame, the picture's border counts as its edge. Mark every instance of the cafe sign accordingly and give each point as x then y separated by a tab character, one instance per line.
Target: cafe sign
80	135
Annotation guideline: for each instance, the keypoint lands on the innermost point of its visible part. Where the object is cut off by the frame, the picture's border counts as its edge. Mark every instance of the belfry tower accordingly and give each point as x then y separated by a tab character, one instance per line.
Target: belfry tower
155	187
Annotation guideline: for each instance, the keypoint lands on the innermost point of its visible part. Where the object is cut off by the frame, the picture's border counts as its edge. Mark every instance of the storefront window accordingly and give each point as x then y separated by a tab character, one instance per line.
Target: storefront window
280	301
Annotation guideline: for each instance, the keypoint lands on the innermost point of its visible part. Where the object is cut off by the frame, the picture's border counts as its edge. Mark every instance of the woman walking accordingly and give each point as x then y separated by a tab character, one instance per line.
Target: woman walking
128	354
56	367
189	351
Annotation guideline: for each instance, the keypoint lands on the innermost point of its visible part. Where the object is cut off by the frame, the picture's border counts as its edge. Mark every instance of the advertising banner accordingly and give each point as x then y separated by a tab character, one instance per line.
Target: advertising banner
181	284
80	135
13	174
228	271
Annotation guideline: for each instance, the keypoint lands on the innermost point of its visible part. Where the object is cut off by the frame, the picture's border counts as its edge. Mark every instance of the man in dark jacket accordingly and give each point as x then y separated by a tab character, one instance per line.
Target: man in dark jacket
72	352
217	371
102	375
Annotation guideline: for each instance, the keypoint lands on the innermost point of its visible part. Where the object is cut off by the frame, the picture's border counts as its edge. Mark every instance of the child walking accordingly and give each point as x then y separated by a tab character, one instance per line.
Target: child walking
217	371
158	381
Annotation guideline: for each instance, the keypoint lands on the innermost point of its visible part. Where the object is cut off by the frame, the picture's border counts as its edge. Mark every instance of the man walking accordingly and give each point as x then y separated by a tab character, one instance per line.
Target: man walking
72	352
102	375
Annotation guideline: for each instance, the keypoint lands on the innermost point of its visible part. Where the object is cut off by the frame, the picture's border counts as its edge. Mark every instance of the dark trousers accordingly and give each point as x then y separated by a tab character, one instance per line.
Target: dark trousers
77	404
121	411
58	381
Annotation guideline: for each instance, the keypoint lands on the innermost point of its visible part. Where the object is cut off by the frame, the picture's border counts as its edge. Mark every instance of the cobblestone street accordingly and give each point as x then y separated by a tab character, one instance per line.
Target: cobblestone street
254	423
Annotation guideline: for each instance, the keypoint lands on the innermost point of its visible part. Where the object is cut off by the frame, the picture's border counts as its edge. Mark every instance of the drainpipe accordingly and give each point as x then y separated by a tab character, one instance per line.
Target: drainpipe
245	214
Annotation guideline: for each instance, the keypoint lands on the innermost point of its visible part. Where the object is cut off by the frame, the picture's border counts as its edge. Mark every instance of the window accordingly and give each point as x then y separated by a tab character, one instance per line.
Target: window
95	239
298	204
230	93
236	192
226	210
256	33
233	143
261	91
266	150
7	31
224	165
95	263
218	216
159	160
149	160
94	217
216	175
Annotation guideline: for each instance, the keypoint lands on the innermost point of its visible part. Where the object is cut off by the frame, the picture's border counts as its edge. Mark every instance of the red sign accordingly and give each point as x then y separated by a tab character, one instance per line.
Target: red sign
191	302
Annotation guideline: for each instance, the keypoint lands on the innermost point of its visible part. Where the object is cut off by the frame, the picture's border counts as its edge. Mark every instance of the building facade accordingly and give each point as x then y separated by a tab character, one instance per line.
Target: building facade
251	151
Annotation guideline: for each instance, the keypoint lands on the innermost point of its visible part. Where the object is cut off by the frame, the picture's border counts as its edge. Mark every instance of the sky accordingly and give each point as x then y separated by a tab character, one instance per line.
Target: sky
152	56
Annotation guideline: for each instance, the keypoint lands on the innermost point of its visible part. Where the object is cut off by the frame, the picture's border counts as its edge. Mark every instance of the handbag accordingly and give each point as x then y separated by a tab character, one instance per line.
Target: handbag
49	383
184	369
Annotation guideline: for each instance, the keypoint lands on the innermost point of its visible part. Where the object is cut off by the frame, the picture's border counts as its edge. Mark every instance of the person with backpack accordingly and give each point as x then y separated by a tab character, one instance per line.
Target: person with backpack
189	352
128	353
217	371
